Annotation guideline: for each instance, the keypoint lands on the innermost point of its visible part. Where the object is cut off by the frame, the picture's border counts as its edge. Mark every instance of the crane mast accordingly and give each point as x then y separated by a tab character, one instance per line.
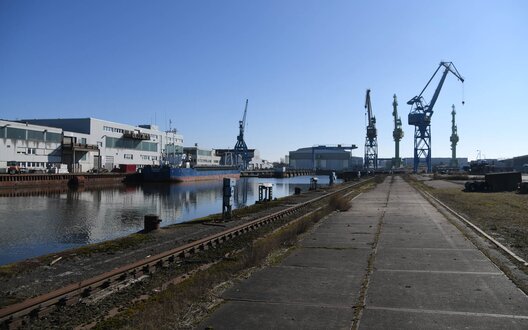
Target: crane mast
371	141
420	116
242	155
397	134
454	139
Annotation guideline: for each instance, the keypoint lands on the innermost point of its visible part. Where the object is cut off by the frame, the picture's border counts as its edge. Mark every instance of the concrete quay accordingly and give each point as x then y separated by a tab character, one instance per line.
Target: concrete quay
391	262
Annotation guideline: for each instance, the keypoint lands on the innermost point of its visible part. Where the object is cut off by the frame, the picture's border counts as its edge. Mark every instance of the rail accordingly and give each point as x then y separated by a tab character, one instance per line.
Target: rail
70	294
478	230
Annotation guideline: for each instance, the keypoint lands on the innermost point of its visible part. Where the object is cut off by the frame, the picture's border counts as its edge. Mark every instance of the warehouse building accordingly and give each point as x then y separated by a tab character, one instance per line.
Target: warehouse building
324	157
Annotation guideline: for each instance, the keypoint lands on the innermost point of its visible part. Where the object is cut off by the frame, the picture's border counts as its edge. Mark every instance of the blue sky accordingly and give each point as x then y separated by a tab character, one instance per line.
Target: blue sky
303	65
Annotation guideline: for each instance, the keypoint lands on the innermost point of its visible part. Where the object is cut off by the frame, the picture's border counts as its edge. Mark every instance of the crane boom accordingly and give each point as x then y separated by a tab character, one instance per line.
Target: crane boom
242	124
449	67
371	141
368	106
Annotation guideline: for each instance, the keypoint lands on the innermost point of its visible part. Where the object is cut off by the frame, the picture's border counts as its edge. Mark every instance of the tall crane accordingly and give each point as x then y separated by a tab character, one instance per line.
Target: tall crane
420	117
241	151
397	134
454	139
371	141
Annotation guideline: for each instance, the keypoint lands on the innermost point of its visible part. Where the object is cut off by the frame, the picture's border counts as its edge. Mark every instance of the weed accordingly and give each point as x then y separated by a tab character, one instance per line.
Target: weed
340	203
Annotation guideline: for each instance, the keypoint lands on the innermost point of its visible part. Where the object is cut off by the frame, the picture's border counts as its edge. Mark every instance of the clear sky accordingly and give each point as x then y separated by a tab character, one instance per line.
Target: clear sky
304	66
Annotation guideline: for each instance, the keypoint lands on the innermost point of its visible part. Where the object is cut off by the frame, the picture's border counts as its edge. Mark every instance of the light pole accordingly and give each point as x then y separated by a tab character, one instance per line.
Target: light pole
99	162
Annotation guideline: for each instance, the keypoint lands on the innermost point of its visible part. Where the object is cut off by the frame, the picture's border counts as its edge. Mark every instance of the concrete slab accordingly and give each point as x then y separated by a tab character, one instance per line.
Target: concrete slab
447	291
382	319
353	217
351	260
433	259
412	225
423	240
256	315
338	241
299	285
349	228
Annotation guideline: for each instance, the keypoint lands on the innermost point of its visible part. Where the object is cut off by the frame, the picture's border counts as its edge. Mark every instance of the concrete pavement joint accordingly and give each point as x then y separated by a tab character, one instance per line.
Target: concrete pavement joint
283	303
437	272
429	249
443	312
337	248
360	305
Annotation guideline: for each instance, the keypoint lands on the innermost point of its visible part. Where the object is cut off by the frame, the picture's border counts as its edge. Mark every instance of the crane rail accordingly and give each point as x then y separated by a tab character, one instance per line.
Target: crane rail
43	304
477	229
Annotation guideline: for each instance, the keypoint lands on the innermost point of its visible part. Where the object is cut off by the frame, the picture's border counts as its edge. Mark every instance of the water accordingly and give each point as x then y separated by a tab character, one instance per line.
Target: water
37	225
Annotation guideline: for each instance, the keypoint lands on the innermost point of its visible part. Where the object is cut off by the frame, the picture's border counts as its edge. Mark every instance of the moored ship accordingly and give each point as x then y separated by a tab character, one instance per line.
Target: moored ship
183	174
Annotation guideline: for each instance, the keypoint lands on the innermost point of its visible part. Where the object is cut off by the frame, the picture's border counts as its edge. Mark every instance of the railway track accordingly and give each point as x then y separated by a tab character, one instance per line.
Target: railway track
15	315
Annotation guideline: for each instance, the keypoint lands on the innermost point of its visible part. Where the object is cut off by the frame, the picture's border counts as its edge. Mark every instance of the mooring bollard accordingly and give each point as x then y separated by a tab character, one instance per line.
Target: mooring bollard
332	178
265	192
228	198
297	191
313	183
151	222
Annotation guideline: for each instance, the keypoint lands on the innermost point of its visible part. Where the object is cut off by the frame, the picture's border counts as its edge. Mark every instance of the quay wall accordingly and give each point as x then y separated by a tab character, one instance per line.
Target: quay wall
276	174
58	180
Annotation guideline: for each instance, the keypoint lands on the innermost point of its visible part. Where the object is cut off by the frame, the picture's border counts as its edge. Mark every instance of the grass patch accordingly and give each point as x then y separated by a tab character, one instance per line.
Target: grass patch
113	245
20	267
10	270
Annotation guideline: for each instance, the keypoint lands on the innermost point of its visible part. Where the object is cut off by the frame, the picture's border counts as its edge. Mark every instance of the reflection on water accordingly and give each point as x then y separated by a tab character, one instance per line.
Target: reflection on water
36	224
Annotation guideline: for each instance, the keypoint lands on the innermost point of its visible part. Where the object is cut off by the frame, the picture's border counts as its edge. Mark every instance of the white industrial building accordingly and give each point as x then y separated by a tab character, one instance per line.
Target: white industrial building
85	143
257	163
196	156
29	146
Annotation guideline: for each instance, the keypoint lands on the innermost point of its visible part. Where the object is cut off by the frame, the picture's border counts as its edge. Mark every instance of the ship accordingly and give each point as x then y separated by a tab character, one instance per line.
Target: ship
185	174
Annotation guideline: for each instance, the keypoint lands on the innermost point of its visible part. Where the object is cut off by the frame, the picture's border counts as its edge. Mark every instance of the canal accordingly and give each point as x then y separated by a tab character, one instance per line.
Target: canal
39	224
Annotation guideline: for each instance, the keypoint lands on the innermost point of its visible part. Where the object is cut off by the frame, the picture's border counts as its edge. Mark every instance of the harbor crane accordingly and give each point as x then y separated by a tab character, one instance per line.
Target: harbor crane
453	139
371	141
397	134
420	116
242	154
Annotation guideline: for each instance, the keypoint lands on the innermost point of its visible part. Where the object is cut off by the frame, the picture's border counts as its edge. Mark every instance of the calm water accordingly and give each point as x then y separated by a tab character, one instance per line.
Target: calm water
37	225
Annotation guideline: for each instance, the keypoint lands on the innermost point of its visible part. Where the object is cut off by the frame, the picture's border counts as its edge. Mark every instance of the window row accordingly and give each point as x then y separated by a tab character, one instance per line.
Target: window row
113	129
131	144
147	157
27	134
